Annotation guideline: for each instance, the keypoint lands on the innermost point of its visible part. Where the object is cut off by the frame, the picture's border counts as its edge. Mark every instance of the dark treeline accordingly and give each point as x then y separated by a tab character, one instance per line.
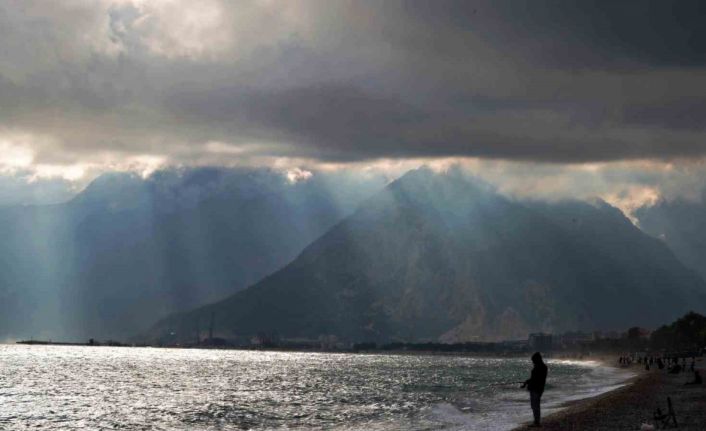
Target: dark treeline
686	333
684	337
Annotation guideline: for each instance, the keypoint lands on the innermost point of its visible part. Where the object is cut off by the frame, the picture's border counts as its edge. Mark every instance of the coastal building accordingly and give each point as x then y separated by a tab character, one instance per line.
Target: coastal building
512	346
575	339
331	342
540	342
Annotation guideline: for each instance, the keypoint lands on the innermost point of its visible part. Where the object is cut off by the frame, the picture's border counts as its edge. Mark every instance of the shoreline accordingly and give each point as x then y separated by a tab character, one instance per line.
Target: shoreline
633	404
568	355
402	352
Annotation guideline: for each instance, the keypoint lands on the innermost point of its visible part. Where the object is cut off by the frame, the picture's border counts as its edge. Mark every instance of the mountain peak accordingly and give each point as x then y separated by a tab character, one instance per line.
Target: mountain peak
438	255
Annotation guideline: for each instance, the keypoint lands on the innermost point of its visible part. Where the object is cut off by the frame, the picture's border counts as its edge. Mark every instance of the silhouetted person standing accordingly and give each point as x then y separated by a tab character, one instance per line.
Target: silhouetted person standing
535	386
697	379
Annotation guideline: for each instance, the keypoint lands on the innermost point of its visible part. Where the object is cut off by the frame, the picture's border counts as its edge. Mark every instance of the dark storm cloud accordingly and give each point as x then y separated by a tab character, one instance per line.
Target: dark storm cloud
688	113
588	33
343	123
557	81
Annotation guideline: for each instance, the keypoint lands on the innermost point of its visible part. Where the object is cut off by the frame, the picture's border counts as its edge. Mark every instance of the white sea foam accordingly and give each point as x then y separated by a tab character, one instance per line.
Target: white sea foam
510	408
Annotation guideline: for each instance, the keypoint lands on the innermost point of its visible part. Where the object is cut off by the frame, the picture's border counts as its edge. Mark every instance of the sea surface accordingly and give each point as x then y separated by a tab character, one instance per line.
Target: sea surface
101	388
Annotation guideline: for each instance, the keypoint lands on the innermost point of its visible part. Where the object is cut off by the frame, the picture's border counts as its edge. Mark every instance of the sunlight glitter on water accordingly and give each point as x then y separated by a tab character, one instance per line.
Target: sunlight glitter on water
86	388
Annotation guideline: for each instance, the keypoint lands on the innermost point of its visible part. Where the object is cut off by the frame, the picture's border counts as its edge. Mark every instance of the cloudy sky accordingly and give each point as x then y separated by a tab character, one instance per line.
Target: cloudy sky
553	98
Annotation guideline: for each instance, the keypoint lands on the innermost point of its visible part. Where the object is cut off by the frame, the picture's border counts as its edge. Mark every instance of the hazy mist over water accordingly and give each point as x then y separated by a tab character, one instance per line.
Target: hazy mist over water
83	388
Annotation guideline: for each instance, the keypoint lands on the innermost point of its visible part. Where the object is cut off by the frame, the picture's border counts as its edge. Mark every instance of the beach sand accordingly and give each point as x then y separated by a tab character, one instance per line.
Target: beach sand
628	407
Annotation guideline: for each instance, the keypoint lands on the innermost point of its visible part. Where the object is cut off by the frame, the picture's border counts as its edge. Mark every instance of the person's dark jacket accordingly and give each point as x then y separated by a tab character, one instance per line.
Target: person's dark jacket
538	378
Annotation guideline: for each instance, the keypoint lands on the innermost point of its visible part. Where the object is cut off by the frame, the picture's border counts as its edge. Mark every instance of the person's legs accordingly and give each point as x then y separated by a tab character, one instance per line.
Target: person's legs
535	398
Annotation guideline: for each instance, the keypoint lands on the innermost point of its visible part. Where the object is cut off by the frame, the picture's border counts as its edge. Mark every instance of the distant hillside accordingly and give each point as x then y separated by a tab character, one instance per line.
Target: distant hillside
127	251
444	257
681	225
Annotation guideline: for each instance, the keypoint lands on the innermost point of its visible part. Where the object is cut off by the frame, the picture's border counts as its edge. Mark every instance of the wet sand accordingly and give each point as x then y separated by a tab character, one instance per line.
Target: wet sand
628	407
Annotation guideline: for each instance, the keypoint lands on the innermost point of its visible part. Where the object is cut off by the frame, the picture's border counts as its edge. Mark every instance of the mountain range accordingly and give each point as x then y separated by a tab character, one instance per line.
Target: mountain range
681	224
444	256
129	250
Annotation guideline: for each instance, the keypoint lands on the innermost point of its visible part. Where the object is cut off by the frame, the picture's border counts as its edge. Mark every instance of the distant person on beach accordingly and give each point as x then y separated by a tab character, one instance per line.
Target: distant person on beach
697	379
535	386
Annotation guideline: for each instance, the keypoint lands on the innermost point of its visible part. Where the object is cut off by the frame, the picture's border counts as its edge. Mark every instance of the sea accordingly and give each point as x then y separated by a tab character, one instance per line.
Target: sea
121	388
